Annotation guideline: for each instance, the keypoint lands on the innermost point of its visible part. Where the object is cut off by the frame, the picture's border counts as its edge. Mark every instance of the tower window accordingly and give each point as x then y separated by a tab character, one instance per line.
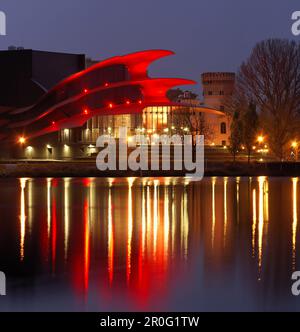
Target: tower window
223	128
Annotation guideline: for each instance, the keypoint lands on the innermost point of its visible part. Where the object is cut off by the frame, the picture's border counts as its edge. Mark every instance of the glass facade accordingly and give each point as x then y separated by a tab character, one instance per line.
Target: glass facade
153	119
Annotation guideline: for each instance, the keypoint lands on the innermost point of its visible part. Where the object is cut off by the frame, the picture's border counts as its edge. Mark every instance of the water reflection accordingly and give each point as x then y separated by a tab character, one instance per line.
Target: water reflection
254	220
66	215
295	219
142	240
22	218
213	208
130	229
261	182
110	251
225	208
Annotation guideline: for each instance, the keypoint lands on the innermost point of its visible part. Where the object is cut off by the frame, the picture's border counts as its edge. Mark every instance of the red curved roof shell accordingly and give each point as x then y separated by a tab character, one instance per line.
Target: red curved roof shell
74	111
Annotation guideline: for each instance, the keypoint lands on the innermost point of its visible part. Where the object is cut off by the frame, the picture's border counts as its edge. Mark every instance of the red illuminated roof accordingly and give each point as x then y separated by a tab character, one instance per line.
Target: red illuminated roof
68	113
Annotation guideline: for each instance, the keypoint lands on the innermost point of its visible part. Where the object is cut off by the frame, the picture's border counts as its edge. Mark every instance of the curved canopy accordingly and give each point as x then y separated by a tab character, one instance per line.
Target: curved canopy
119	85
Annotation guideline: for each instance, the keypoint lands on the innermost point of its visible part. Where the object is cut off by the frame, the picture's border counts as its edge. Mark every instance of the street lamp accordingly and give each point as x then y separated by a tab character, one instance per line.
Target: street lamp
294	146
22	140
260	139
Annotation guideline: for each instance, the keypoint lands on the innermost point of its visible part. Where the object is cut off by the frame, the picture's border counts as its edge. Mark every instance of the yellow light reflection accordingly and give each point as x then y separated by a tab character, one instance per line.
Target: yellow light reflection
173	221
213	199
149	220
155	216
261	182
144	221
129	229
266	198
30	204
22	218
86	244
295	220
49	180
66	215
166	222
254	220
92	204
225	208
238	179
110	239
185	225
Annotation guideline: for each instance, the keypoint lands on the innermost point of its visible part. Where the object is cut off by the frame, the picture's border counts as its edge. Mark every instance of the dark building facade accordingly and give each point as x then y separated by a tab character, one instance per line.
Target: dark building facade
26	75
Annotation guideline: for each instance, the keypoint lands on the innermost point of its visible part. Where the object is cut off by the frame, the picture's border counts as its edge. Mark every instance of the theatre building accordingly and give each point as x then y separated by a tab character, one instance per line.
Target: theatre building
53	106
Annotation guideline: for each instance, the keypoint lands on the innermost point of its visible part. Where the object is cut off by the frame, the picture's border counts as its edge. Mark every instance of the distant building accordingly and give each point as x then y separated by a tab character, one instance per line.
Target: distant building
89	62
217	87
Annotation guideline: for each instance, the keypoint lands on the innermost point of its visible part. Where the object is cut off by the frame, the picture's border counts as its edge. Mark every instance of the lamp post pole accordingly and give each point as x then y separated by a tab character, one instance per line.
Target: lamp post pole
260	140
295	149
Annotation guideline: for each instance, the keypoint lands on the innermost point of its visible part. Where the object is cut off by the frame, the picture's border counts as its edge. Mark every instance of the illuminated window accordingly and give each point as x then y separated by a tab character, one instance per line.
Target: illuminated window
223	128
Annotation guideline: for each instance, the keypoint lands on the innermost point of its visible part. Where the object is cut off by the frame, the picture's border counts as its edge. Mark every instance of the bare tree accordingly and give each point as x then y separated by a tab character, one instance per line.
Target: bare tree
270	78
236	135
193	121
249	124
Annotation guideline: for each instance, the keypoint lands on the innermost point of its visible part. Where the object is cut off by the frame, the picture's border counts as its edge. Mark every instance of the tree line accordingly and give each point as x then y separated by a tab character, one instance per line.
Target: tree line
267	98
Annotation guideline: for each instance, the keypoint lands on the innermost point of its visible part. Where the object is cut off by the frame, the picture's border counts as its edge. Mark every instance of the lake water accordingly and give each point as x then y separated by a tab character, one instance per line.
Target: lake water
157	244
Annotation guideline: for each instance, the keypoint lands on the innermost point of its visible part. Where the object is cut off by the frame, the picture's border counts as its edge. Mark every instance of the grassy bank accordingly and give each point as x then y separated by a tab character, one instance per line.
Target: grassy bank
88	169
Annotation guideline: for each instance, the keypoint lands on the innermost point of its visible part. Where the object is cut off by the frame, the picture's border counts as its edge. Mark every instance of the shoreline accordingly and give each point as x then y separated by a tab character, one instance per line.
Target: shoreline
39	169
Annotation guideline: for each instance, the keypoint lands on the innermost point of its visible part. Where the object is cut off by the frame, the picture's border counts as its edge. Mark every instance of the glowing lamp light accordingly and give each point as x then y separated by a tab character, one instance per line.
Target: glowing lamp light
22	140
106	84
127	102
294	144
260	139
140	102
53	123
85	90
86	111
110	105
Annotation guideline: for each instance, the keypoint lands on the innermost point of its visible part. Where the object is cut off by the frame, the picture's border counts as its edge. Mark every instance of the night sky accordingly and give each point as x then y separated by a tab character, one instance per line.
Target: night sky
207	35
